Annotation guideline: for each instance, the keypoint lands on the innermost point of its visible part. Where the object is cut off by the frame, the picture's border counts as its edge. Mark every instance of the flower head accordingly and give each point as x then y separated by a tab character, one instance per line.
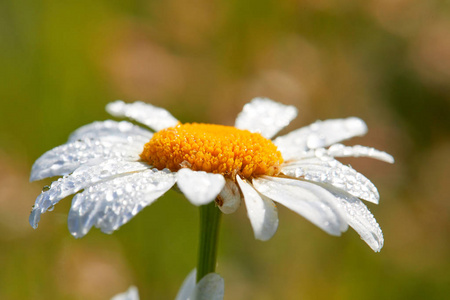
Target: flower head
117	168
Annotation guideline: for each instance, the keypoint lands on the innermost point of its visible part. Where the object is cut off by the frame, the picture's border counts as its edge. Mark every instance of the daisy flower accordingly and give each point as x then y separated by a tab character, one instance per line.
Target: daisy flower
115	169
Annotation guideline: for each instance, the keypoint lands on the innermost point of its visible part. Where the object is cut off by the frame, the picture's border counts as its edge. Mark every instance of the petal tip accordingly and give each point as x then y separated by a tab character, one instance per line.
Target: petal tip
200	187
390	159
265	116
37	172
356	124
34	218
114	107
376	247
264	237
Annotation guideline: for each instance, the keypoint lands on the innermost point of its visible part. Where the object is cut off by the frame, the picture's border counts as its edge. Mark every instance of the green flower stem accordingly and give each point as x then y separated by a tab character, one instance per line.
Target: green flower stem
209	236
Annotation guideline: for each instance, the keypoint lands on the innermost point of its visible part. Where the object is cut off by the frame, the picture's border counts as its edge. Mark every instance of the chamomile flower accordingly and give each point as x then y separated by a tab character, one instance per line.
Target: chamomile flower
117	168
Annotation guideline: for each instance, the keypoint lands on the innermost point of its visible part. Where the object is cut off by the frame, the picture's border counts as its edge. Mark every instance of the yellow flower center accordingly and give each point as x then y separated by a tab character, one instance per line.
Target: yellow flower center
213	148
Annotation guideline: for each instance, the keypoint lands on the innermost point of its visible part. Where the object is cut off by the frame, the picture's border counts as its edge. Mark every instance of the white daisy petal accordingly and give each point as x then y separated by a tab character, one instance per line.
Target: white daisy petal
319	134
66	158
81	178
362	221
199	187
359	217
210	287
265	116
339	150
110	204
123	130
131	294
154	117
188	286
308	200
261	211
329	170
229	197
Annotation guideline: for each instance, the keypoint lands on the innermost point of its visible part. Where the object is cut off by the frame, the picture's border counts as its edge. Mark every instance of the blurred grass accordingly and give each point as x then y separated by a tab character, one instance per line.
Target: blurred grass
386	62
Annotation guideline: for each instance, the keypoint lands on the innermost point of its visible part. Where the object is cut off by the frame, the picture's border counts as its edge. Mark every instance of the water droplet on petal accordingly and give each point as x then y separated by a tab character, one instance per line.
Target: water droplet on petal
320	152
46	188
314	141
299	172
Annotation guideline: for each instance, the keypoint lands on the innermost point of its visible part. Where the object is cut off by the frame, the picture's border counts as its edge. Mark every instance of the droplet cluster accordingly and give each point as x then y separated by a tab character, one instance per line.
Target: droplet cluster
83	177
325	169
66	158
108	205
362	220
318	135
111	130
359	151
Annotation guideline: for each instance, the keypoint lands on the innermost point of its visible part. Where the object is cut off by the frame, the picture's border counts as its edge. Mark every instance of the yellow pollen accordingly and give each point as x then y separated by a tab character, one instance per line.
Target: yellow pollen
213	148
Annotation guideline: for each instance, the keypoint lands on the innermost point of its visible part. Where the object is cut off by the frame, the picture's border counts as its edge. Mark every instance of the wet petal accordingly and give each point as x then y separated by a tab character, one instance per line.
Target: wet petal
108	205
81	178
261	211
330	171
199	187
67	158
265	116
124	131
308	200
359	217
188	286
318	135
339	150
154	117
229	197
210	287
131	294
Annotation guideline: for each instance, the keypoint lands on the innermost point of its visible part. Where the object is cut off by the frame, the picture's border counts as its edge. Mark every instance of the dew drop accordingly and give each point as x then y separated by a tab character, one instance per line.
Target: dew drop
46	188
299	172
314	141
315	126
51	208
320	152
109	196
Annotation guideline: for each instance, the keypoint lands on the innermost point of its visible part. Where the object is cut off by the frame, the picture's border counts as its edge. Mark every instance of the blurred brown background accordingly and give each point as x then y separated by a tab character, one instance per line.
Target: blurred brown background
386	61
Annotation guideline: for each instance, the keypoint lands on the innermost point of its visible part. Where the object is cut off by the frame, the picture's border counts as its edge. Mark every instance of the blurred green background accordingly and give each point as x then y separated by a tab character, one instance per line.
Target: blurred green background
385	61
